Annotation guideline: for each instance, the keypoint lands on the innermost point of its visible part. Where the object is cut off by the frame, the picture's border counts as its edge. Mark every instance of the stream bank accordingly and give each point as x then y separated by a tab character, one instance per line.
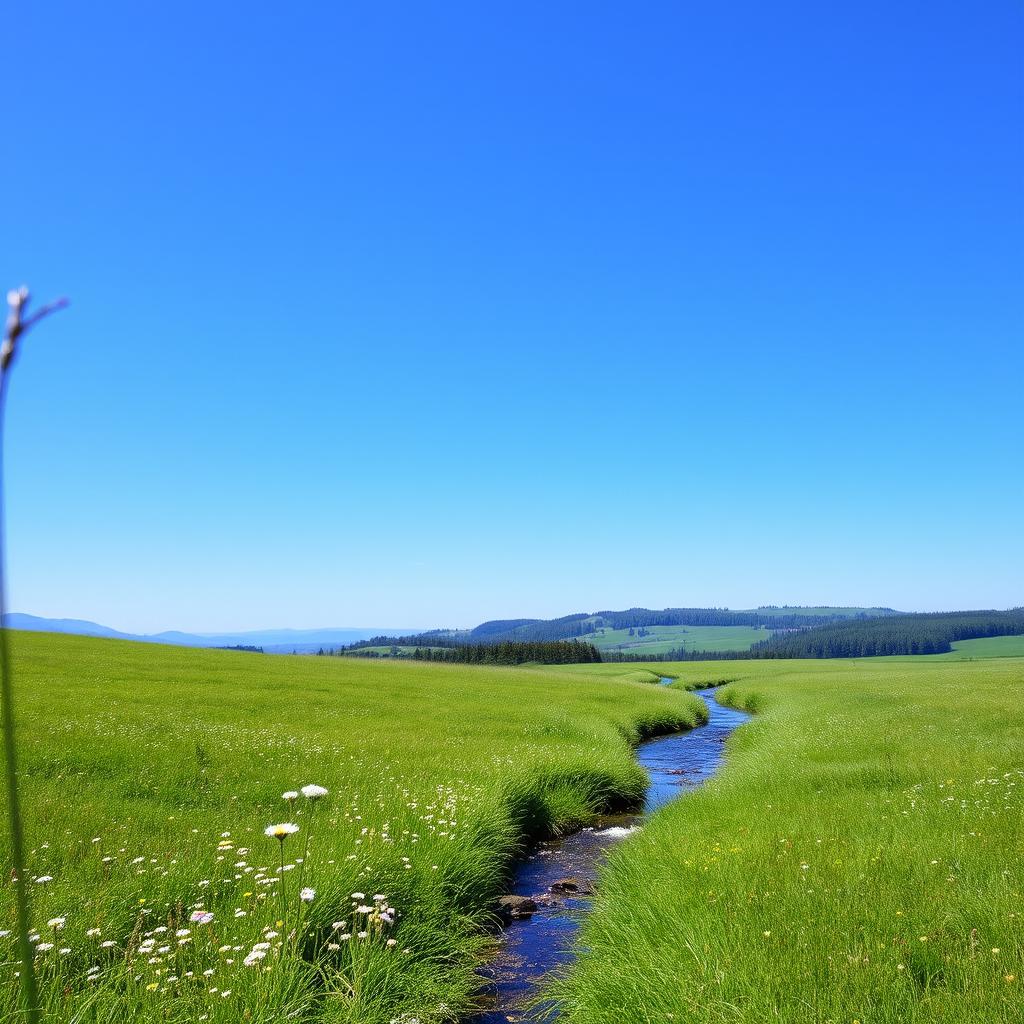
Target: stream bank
558	877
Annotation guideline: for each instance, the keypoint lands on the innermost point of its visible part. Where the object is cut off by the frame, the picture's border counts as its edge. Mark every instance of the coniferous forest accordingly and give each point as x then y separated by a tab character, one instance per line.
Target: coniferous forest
926	633
559	652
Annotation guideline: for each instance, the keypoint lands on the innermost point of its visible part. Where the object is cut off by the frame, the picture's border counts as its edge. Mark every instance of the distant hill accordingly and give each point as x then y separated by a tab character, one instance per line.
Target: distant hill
582	624
639	632
79	627
273	641
826	612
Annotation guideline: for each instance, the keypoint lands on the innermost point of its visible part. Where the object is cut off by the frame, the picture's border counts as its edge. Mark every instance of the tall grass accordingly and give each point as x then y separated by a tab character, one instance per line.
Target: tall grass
859	858
150	774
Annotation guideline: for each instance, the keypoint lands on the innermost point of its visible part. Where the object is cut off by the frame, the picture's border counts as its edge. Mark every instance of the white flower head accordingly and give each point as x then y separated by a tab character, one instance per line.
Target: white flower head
281	831
307	895
56	923
201	917
291	795
313	792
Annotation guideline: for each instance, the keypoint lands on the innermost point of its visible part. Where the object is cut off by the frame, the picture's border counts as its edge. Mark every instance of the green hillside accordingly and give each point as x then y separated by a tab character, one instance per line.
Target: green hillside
662	639
986	647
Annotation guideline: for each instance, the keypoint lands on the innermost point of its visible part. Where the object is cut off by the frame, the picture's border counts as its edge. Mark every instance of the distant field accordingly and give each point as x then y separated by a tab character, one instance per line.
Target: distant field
661	639
150	772
987	647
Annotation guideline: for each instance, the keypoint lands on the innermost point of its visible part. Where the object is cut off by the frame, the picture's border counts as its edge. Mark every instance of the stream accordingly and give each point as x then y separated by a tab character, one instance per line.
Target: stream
559	875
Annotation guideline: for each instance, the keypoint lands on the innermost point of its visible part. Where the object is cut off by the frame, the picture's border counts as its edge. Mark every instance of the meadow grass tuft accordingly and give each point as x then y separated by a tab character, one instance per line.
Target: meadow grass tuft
151	774
860	857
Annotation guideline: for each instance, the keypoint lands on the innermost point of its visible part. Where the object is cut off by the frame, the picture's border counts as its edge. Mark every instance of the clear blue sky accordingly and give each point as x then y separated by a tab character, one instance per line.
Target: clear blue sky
418	315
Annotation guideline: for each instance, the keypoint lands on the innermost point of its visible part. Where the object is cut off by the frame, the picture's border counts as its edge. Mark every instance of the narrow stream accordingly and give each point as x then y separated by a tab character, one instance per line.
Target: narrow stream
559	875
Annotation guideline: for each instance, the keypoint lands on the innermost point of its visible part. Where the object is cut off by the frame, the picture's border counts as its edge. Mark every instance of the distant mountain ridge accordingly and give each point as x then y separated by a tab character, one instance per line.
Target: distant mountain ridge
274	641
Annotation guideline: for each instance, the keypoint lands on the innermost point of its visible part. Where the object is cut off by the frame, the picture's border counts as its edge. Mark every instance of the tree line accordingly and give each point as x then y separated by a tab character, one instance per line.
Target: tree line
677	654
923	633
508	652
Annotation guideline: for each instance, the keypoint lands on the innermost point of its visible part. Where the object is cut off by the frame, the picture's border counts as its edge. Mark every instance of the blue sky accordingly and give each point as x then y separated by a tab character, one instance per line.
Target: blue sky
416	315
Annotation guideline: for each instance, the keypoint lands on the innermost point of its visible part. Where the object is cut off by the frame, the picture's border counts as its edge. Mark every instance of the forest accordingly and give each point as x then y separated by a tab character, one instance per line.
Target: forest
924	633
510	652
559	652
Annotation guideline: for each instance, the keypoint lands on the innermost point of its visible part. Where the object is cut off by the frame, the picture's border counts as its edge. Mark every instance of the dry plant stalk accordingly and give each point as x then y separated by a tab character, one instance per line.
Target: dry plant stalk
18	322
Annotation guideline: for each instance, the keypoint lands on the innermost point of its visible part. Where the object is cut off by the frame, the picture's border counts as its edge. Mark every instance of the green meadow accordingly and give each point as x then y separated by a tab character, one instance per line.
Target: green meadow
986	647
662	639
150	773
860	858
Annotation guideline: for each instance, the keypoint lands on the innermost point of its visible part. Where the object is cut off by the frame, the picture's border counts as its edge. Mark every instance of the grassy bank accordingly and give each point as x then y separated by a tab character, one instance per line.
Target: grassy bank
858	859
150	774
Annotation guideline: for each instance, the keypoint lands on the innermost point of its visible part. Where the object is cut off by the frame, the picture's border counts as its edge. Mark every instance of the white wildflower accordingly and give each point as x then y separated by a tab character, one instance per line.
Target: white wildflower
282	831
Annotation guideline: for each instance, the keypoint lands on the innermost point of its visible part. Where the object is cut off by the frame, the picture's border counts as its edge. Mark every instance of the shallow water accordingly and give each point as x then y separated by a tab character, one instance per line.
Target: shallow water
533	947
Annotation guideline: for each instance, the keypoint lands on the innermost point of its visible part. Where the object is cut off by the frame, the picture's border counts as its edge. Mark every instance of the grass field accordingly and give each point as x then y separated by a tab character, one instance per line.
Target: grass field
859	858
661	639
150	773
987	647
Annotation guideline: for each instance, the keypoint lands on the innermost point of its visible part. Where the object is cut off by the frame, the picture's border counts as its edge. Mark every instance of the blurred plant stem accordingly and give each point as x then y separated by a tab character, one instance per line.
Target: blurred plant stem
17	324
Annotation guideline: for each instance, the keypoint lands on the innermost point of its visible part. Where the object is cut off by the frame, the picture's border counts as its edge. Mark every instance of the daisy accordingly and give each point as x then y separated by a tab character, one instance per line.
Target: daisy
282	831
307	895
313	792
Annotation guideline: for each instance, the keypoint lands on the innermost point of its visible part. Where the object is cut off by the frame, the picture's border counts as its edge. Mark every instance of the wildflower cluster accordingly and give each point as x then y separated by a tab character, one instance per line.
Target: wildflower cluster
367	920
197	949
